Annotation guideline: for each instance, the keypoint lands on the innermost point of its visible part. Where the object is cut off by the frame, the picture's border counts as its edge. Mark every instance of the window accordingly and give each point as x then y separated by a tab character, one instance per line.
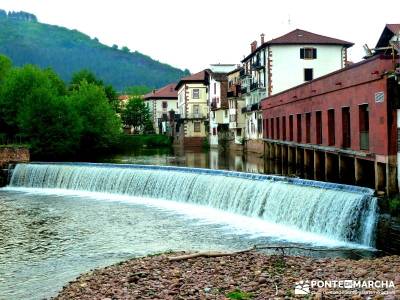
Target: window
318	131
308	53
331	127
308	127
215	88
196	126
278	132
239	131
196	94
196	109
346	127
364	126
291	128
272	129
214	131
164	104
226	113
308	74
259	126
299	128
284	128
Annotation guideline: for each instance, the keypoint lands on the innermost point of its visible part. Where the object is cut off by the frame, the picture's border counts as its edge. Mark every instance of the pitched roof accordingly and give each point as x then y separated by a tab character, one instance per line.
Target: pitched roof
395	28
201	76
301	37
166	92
388	32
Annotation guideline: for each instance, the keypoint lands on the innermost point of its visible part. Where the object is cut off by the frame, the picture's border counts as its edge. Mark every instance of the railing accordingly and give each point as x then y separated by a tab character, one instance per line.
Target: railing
364	140
243	73
194	116
213	105
254	86
257	64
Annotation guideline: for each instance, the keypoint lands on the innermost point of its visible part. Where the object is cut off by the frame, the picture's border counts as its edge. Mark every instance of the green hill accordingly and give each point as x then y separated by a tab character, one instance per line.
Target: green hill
26	41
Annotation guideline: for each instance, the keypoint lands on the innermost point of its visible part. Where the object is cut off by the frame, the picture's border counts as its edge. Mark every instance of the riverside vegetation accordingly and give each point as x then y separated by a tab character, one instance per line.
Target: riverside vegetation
62	121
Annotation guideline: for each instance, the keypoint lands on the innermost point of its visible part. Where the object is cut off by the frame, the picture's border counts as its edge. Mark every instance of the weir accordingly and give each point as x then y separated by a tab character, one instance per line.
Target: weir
337	211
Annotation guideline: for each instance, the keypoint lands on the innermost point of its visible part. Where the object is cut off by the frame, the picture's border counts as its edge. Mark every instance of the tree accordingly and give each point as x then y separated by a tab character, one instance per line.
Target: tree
87	76
5	66
125	49
137	115
138	90
16	91
115	46
51	124
101	125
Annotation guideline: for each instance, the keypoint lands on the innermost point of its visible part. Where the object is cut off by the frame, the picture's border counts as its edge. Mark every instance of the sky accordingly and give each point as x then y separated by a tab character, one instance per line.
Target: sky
194	34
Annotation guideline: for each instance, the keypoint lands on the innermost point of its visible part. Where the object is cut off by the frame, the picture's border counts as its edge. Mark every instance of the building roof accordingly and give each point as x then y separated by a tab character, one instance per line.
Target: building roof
301	37
123	97
388	32
201	76
166	92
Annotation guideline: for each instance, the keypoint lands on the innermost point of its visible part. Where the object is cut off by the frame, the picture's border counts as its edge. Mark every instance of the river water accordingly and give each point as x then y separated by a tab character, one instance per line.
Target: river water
50	236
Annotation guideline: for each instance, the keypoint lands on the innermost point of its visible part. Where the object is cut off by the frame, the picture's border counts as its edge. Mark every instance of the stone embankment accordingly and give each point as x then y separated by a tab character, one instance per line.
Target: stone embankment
10	155
249	275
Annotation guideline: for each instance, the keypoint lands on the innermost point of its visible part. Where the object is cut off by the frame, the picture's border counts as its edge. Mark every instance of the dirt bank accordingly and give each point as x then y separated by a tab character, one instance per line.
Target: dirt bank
248	275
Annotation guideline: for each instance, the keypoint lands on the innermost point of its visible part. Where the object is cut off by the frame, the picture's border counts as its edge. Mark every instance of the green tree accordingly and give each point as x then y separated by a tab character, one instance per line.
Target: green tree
125	49
89	77
101	125
137	115
16	91
51	124
5	66
137	90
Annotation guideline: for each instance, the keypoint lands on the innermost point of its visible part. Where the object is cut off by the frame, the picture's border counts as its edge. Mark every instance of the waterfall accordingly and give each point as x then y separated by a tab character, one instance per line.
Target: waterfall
337	211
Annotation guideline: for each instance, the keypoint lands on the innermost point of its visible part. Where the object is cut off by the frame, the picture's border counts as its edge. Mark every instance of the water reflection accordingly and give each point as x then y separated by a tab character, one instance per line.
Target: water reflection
211	159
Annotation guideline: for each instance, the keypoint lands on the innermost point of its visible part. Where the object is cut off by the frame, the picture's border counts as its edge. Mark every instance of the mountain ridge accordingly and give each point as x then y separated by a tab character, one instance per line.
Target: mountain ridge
27	41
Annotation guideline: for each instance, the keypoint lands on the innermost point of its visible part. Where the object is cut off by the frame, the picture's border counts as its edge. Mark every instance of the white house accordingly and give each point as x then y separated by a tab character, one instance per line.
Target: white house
282	63
161	103
219	110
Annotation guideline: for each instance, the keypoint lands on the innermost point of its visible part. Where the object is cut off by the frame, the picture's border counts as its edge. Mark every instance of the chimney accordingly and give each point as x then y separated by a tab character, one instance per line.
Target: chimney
253	46
262	38
154	91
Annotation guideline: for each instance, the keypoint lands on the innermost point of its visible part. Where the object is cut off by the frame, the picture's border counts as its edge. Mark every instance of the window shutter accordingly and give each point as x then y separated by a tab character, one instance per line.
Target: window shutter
302	53
314	53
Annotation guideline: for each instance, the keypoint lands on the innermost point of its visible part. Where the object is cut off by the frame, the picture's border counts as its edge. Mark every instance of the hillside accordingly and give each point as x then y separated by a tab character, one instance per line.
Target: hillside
25	40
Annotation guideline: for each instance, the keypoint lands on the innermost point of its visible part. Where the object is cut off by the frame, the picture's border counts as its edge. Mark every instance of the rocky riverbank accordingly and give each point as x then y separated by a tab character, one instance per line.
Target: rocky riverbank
249	275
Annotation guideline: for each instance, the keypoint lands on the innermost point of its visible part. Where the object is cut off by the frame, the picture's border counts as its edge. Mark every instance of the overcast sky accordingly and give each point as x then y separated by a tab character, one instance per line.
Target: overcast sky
193	34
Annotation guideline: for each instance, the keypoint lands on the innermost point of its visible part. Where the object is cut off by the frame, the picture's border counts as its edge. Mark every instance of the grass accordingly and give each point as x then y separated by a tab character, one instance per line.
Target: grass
239	295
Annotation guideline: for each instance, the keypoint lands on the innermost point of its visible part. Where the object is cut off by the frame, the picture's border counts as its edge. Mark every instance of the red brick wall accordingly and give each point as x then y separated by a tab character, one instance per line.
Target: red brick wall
348	87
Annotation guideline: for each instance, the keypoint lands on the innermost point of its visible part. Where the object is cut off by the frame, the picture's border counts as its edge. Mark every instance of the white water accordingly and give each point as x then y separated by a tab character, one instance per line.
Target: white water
320	213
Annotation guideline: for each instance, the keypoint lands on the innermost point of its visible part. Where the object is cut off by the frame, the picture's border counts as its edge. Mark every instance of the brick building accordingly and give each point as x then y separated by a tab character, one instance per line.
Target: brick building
339	127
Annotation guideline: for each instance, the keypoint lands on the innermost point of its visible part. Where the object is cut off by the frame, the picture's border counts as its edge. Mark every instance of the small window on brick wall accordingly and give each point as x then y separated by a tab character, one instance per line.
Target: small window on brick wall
308	53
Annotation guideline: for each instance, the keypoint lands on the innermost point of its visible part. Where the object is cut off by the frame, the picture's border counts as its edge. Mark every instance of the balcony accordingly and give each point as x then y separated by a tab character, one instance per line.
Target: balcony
213	105
194	116
257	64
253	86
255	106
243	73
